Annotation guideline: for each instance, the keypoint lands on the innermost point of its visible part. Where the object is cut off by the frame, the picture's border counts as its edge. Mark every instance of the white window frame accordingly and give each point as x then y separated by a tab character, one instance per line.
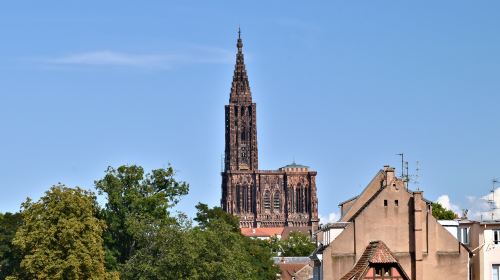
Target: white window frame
464	238
496	233
495	271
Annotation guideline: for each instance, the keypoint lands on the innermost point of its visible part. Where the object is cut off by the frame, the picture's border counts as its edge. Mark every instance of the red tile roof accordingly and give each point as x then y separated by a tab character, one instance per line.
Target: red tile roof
289	270
262	232
375	253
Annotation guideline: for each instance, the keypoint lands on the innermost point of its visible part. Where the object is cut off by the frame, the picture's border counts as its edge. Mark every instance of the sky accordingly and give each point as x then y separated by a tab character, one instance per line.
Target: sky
340	86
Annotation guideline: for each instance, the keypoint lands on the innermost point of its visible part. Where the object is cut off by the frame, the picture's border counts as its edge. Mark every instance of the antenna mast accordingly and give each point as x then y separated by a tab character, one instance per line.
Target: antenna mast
404	168
491	199
417	176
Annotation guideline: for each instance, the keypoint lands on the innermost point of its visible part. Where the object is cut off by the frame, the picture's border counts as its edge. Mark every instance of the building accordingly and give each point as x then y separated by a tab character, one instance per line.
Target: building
294	268
396	222
483	240
261	198
377	262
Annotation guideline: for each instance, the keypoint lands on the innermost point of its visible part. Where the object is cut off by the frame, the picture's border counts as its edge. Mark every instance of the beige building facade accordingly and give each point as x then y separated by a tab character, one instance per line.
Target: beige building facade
386	211
483	239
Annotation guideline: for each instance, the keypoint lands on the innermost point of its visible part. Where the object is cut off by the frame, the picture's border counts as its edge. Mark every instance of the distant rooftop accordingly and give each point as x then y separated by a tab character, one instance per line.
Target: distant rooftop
295	167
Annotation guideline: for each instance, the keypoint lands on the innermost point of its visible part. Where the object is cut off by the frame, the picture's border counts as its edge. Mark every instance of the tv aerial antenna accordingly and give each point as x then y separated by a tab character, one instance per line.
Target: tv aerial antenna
404	170
491	197
417	176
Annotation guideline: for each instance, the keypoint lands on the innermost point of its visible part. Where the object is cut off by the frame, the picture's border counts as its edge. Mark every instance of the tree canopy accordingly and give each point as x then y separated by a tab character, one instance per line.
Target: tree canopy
134	198
10	257
297	244
441	213
60	237
66	235
214	249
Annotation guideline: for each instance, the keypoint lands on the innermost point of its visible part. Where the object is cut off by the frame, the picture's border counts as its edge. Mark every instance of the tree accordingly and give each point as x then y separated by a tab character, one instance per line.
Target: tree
224	253
165	252
60	237
441	213
10	258
133	200
214	249
297	244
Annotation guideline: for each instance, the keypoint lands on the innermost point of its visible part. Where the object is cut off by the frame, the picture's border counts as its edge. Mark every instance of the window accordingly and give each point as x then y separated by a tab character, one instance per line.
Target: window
495	272
267	200
276	201
496	236
382	272
244	190
463	235
238	198
385	202
299	198
396	202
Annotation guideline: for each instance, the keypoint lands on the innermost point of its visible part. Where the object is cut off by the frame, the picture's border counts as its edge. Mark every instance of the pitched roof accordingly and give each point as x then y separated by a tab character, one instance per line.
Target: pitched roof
369	193
375	253
262	232
361	200
289	270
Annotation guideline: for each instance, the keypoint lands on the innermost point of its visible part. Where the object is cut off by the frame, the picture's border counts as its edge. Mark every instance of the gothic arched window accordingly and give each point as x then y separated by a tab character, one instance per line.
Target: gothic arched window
267	200
299	198
245	198
276	201
238	199
244	135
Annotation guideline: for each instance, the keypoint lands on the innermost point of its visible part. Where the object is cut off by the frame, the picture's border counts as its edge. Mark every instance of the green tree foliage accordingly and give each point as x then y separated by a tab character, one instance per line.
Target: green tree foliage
135	199
10	257
214	249
60	237
441	213
296	245
225	252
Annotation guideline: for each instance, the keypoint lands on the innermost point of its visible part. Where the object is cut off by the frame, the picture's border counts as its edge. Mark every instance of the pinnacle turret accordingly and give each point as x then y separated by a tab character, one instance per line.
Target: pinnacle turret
240	87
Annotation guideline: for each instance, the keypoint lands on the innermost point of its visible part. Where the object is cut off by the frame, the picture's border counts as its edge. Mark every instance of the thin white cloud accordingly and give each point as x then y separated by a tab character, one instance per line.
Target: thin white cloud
486	207
331	218
444	200
150	60
112	58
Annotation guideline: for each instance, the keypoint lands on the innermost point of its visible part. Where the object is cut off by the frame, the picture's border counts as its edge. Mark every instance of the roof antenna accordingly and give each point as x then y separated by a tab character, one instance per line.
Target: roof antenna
491	199
402	164
239	32
417	176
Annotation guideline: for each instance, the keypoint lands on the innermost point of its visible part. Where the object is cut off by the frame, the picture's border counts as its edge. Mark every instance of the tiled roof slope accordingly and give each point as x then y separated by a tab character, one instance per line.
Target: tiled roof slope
262	232
375	253
289	270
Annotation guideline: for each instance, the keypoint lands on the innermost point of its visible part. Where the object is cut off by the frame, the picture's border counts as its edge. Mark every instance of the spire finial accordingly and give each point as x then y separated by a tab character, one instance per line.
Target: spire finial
239	44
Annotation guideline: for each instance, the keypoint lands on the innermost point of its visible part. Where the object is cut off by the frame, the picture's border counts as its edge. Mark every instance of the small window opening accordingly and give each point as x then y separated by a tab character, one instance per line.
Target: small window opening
396	202
385	202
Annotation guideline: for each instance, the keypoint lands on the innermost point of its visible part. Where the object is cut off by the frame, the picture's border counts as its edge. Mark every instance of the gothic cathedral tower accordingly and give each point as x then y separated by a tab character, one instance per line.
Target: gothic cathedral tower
241	122
261	198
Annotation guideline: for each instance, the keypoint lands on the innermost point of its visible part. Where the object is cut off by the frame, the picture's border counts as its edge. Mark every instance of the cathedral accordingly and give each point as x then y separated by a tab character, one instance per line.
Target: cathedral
283	198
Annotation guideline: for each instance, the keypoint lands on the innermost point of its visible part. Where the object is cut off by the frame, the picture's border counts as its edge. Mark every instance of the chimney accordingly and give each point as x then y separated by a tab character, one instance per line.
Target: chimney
418	207
389	173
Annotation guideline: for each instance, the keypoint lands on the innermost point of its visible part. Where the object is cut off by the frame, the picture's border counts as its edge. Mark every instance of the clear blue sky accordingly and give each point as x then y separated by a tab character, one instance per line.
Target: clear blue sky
341	86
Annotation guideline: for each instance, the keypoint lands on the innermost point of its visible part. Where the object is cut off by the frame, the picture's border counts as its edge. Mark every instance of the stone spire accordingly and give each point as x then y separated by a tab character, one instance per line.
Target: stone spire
240	88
